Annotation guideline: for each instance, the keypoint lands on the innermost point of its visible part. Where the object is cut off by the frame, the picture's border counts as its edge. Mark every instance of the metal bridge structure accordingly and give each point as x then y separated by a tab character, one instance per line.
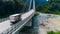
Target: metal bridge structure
7	28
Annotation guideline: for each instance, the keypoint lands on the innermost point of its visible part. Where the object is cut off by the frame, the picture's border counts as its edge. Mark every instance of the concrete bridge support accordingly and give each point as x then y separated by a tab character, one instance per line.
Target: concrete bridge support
29	24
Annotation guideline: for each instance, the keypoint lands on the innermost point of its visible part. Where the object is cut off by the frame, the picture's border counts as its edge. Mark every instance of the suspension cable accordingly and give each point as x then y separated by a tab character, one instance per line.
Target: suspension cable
24	6
34	5
30	4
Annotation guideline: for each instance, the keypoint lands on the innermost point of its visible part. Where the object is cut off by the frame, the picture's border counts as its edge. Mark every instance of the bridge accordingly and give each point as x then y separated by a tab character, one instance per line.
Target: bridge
6	27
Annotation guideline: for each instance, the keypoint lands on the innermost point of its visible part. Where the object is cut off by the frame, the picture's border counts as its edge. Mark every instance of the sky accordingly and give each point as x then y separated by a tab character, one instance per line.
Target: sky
46	0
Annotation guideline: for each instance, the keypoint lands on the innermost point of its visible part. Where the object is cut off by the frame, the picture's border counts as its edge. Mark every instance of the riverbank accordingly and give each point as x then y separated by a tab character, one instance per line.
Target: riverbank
55	21
44	23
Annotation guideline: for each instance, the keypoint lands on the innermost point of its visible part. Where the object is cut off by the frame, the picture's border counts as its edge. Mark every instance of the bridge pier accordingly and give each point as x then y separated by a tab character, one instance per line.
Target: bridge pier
29	24
27	27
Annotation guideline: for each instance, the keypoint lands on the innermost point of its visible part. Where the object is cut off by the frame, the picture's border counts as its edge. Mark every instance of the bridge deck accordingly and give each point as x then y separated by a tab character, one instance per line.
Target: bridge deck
6	24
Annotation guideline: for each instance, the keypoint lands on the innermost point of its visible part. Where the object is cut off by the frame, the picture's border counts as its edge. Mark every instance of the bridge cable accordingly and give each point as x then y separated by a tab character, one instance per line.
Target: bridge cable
34	5
25	7
30	5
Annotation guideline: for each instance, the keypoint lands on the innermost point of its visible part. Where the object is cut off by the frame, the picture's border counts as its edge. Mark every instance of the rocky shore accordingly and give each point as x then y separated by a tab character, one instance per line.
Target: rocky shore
46	25
42	25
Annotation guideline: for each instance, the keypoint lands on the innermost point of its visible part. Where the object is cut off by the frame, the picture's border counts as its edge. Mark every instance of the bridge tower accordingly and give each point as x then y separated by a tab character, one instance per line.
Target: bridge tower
31	6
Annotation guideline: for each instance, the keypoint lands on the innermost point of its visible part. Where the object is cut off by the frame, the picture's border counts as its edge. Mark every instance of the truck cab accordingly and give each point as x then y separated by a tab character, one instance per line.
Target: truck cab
15	18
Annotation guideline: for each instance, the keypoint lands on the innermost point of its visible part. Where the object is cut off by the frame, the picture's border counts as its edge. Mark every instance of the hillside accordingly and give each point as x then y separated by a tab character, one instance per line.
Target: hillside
10	7
52	6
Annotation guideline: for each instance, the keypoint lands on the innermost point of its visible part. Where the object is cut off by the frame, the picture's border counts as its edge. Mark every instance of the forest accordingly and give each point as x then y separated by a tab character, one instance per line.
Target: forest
15	6
51	6
10	7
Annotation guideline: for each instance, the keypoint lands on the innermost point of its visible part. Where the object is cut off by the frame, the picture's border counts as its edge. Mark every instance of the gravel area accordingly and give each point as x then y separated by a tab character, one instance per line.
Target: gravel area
46	25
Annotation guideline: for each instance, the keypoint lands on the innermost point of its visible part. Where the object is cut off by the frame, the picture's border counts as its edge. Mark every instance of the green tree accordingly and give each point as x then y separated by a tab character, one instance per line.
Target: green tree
10	7
49	7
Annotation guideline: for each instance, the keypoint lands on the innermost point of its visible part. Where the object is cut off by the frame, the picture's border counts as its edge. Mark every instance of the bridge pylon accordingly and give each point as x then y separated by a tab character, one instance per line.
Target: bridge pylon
32	4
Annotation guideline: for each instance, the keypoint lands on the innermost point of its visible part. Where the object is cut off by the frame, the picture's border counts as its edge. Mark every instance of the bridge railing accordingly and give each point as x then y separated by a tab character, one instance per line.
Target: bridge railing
17	25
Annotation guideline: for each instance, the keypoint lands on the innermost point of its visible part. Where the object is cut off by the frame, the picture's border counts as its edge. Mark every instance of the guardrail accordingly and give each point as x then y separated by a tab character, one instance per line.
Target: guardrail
17	25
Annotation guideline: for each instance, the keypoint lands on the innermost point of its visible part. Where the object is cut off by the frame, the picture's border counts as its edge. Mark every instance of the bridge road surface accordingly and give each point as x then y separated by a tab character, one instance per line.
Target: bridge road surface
6	24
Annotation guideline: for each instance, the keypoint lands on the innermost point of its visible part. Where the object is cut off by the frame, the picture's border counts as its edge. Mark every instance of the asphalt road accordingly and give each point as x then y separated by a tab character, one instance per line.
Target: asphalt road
4	19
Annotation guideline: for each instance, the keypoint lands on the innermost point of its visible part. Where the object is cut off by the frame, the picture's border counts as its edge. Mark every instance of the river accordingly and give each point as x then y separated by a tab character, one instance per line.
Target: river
36	20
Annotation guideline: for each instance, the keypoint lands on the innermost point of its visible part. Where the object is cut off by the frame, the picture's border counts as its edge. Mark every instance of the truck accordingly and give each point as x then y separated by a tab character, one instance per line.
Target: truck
15	18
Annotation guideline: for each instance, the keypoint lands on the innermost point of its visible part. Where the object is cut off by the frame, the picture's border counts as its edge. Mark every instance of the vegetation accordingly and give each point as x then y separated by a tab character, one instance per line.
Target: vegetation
51	32
36	14
10	7
52	6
